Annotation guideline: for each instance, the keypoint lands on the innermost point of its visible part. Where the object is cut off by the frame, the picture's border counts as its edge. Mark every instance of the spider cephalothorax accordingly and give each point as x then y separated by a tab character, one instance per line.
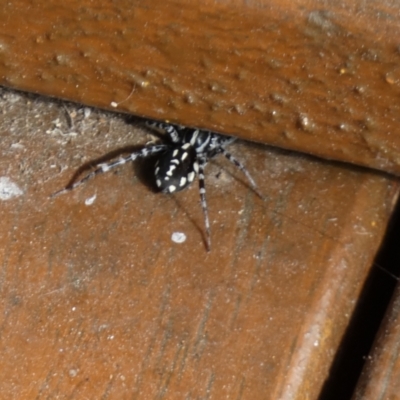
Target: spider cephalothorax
180	160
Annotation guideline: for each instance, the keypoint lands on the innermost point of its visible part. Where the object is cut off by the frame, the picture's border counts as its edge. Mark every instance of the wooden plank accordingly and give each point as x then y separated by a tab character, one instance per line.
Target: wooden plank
99	302
302	75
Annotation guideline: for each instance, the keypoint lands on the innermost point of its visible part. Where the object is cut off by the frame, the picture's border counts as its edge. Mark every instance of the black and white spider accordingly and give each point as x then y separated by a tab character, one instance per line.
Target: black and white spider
180	160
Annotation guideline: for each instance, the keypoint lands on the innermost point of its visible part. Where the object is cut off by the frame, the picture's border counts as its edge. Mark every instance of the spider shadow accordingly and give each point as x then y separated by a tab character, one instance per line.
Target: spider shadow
192	220
235	174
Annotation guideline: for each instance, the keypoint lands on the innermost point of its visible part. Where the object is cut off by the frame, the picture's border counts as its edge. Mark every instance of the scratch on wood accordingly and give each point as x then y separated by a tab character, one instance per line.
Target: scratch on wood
210	385
201	339
147	356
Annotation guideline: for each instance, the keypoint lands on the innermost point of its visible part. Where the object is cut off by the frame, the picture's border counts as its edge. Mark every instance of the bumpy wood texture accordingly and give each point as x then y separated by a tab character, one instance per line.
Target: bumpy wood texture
320	77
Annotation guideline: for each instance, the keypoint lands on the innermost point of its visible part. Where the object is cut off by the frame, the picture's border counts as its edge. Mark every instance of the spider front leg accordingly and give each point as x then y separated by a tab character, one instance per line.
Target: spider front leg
199	168
105	167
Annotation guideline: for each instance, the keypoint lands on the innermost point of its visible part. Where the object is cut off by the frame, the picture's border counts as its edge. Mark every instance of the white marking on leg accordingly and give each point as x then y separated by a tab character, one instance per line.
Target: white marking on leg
204	207
206	222
104	167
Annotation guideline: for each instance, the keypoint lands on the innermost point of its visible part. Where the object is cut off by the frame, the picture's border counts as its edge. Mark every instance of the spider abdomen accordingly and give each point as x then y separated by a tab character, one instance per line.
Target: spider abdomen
176	168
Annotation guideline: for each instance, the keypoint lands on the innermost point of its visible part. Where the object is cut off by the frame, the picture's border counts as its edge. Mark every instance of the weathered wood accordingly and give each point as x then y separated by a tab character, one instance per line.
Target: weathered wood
98	302
313	76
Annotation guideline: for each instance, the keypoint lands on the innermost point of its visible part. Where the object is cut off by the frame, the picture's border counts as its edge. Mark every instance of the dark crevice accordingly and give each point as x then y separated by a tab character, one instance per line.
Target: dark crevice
367	317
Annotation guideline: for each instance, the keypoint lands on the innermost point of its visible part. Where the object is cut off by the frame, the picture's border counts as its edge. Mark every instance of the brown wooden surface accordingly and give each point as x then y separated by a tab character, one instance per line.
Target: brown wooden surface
320	77
381	375
98	302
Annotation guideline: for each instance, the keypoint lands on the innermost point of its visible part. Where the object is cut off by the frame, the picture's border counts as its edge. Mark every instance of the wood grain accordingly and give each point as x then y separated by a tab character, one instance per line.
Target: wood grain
98	302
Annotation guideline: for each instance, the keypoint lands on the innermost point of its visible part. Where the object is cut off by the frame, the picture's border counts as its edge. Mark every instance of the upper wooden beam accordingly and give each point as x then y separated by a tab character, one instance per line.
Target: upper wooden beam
303	75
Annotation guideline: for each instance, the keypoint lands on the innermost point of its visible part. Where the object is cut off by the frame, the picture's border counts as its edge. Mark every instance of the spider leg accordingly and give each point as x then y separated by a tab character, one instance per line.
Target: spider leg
105	167
218	140
238	164
201	164
169	129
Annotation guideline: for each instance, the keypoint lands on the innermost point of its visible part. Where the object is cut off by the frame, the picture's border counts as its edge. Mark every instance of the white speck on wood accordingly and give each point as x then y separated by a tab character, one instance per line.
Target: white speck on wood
8	189
90	200
178	237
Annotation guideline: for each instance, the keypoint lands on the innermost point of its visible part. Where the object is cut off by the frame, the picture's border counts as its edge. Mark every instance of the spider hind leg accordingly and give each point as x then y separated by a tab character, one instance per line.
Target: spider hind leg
105	167
202	189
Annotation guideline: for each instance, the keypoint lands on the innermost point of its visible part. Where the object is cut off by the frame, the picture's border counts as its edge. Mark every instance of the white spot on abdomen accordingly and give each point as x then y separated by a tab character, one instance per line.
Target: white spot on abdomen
182	182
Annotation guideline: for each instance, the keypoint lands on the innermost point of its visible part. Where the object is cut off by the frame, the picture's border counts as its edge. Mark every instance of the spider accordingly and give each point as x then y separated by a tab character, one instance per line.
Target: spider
180	159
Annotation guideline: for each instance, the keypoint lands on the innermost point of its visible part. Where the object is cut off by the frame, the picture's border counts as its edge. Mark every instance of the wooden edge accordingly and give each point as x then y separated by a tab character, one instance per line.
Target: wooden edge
299	75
